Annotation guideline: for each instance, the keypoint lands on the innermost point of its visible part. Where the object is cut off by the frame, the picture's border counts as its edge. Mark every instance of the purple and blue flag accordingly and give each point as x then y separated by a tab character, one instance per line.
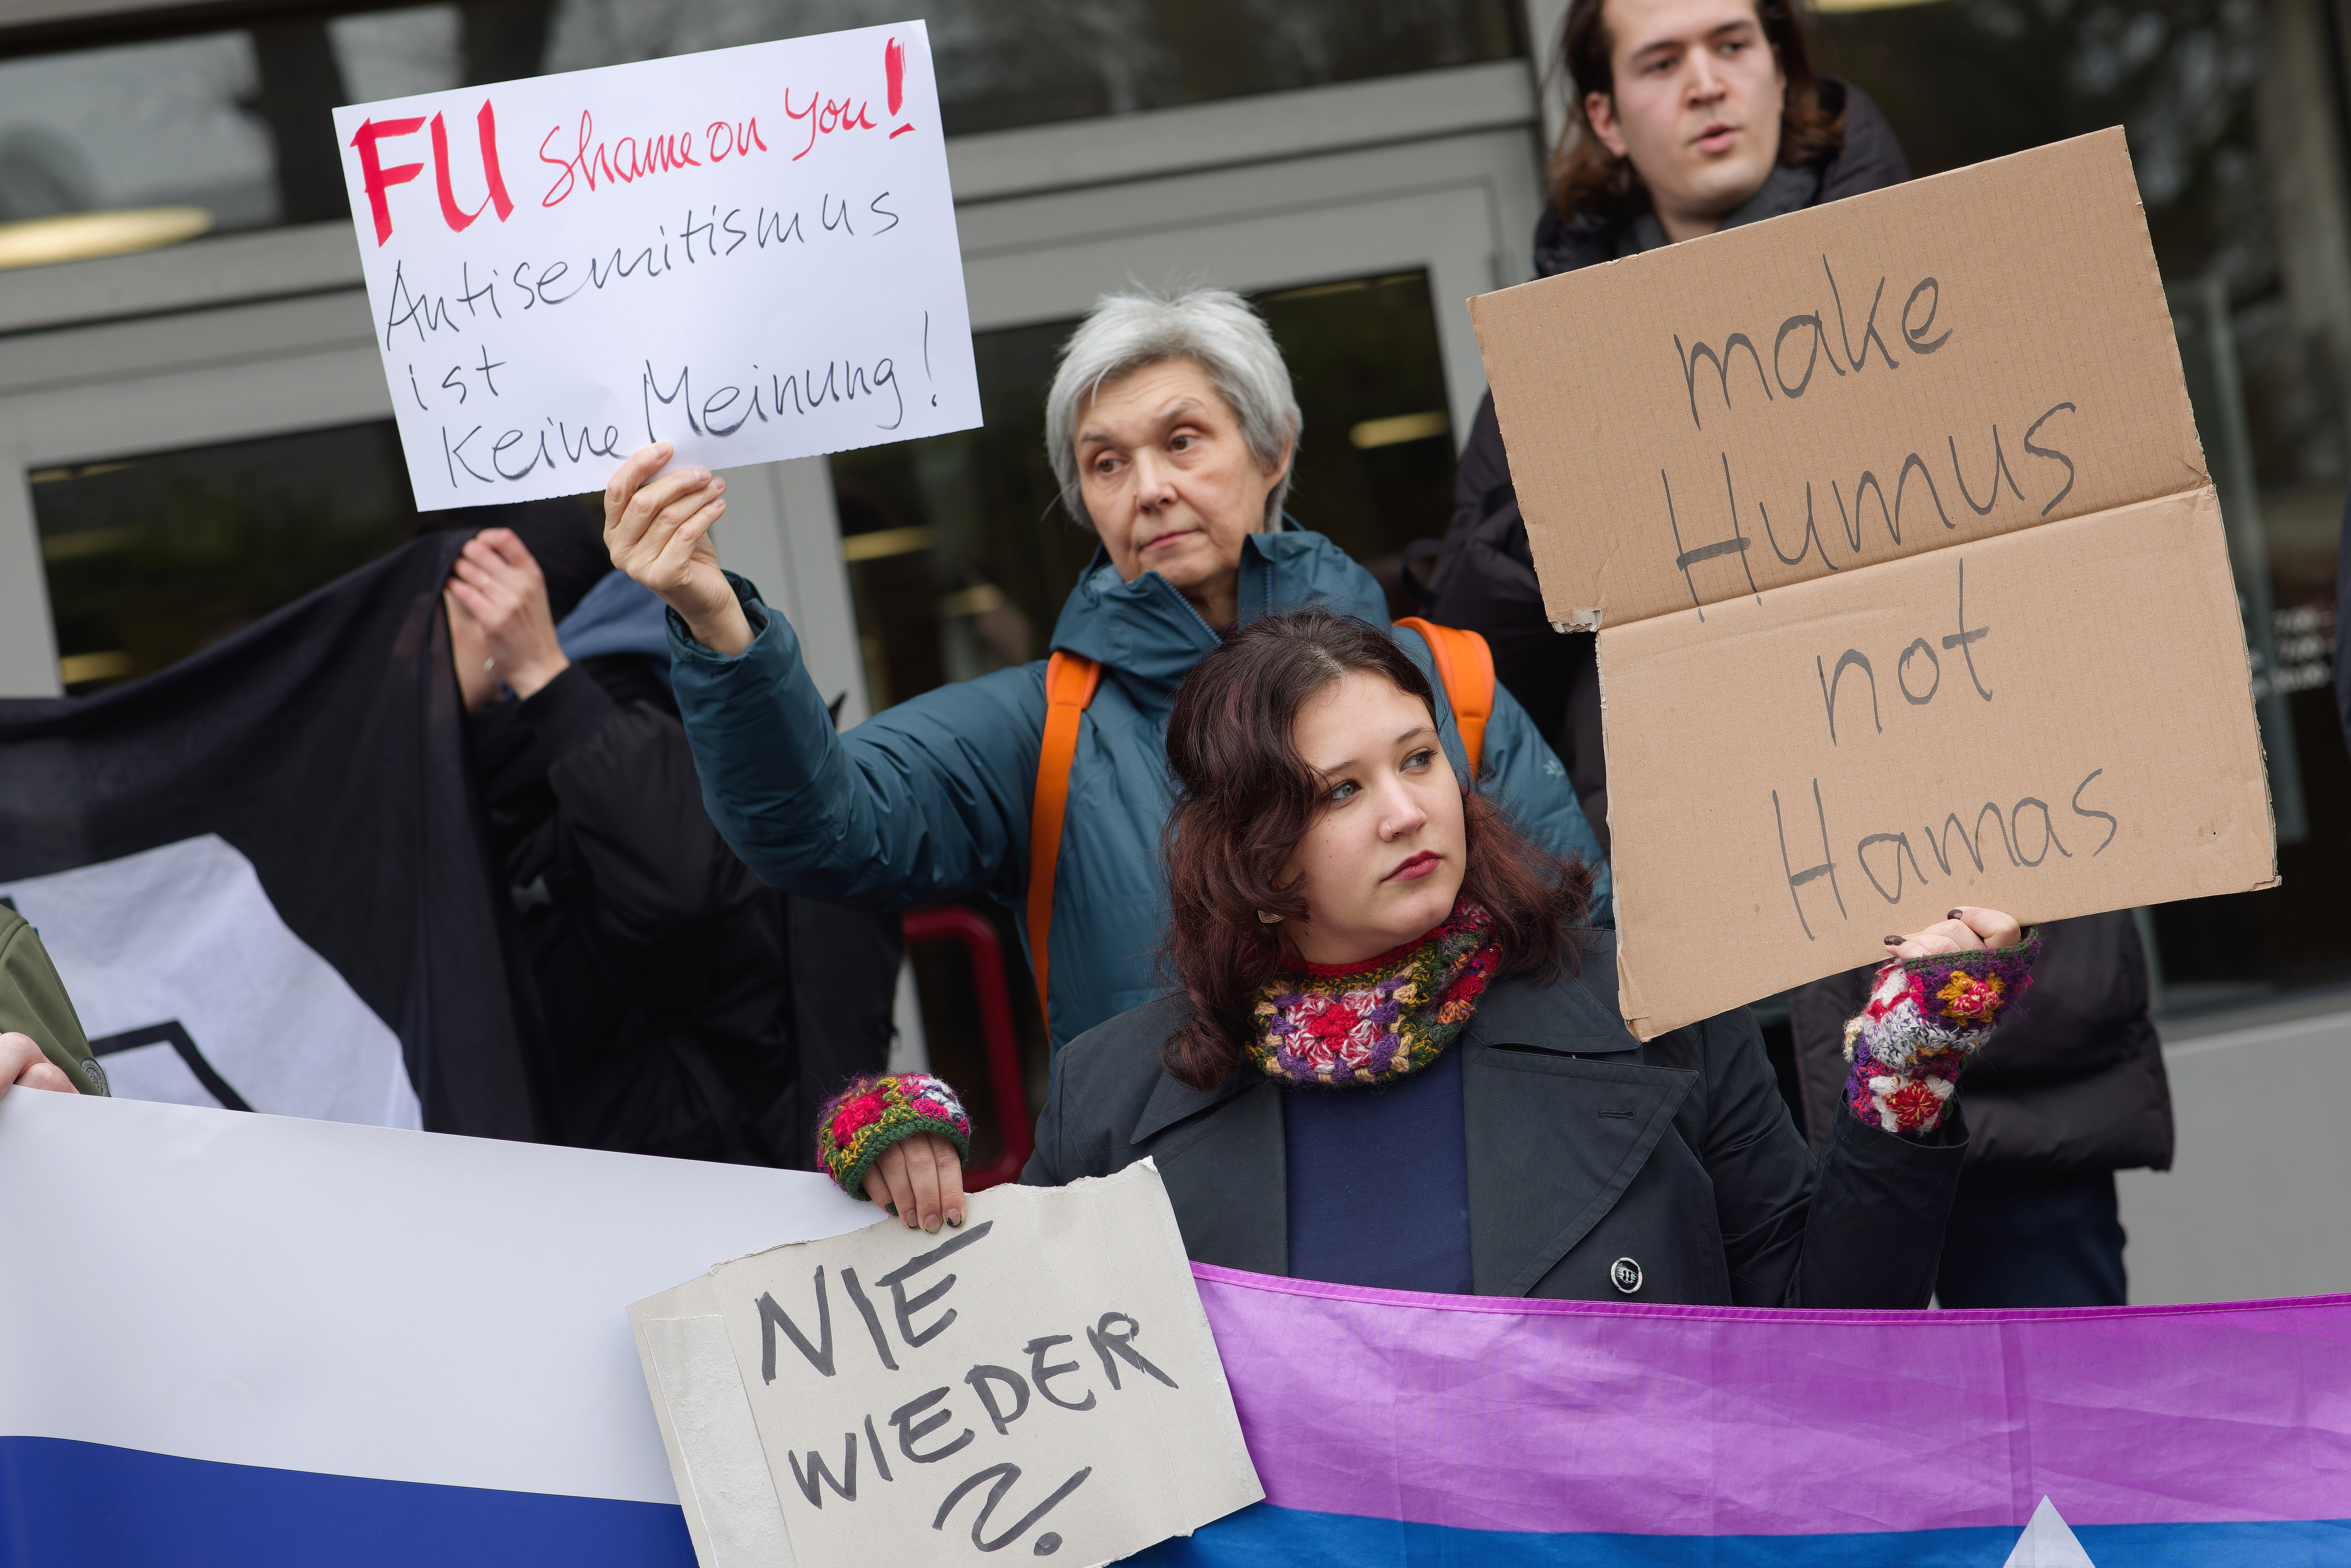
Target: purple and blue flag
1394	1429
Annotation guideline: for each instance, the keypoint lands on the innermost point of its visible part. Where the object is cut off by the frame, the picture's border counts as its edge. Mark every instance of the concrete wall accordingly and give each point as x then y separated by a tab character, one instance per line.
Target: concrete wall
2259	1202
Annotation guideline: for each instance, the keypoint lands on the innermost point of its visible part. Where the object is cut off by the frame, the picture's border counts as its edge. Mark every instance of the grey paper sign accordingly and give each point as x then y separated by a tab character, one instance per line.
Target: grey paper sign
1042	1380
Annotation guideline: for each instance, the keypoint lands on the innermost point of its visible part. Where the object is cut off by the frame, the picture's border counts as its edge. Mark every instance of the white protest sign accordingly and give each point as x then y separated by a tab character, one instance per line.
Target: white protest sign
1043	1378
750	254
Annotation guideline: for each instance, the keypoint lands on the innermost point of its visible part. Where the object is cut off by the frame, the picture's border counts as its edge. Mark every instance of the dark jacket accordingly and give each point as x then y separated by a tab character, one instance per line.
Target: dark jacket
2072	1081
2343	624
1585	1146
689	1011
930	801
1485	577
33	1002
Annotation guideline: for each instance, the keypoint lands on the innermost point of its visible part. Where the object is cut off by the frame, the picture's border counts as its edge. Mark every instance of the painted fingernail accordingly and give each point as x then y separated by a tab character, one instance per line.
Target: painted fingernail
931	1223
1953	915
1893	941
955	1217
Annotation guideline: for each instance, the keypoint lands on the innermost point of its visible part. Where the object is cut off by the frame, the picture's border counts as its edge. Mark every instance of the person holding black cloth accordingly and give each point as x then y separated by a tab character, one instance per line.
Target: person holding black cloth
688	1009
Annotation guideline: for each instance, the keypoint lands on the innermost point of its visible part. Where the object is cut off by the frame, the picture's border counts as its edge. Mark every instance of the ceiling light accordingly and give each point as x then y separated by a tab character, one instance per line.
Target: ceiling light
78	237
1399	428
1840	7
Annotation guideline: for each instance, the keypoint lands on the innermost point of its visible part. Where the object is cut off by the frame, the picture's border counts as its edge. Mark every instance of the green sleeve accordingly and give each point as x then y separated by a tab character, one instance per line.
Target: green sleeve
32	1001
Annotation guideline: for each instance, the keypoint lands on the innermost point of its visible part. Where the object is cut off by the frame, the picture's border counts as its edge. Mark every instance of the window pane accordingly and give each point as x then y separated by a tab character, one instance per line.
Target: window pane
236	121
1022	62
2237	135
142	125
151	558
391	54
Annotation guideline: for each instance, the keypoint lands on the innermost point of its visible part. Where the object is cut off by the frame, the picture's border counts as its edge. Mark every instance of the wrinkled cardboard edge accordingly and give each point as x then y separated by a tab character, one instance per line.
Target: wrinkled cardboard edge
680	1473
1479	305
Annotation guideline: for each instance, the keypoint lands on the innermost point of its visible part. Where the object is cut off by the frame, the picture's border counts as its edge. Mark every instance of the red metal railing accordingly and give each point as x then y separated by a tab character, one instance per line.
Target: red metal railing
952	923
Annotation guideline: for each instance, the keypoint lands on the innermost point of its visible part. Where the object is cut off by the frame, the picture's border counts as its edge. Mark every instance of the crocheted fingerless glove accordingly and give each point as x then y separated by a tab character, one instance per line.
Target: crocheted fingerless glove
861	1121
1925	1017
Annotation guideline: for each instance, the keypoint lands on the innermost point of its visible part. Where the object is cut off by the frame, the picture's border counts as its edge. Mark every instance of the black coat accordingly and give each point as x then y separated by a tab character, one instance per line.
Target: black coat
1585	1146
2343	624
684	1007
1485	577
2071	1082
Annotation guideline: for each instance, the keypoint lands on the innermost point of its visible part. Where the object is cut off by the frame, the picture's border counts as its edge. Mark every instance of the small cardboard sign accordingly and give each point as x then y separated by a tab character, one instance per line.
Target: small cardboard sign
749	252
1911	584
1042	1379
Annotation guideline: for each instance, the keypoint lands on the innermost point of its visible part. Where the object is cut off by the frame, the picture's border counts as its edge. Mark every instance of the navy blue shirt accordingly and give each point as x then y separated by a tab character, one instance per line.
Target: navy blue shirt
1379	1182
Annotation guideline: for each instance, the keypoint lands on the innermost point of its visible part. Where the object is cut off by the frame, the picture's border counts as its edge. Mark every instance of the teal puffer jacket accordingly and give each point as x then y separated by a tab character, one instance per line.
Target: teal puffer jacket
930	801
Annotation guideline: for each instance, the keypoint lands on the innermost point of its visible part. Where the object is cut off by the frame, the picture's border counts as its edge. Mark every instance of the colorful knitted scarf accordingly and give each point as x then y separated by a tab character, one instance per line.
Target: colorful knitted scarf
1376	1021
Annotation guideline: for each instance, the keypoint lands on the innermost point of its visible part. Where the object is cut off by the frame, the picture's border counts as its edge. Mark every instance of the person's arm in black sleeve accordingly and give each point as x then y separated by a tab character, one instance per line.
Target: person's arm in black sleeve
630	806
1762	1175
1863	1230
1816	1017
1891	1164
1880	1201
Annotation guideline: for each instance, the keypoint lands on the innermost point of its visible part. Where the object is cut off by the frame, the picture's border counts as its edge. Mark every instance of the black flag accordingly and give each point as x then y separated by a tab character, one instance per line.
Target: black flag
261	871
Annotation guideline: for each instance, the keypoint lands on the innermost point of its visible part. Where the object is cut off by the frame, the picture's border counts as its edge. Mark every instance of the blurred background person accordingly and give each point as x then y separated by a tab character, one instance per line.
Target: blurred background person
2069	1090
1687	117
1171	426
688	1009
41	1041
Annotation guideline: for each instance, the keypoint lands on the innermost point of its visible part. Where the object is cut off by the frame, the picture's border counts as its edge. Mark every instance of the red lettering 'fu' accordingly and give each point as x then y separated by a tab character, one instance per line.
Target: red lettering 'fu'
378	179
486	127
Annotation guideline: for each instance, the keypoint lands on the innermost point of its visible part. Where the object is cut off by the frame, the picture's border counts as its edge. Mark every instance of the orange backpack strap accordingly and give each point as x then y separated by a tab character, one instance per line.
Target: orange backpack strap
1466	665
1070	682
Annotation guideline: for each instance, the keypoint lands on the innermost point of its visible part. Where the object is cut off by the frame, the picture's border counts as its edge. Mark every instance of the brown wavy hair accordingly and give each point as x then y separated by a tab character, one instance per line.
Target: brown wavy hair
1244	798
1586	179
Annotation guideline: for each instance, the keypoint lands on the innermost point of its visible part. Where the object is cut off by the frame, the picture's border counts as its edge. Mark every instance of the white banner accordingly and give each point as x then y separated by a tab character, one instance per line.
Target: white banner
327	1299
750	254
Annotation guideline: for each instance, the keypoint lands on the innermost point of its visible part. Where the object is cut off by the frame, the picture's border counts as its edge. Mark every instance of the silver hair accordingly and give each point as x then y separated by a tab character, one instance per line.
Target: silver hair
1214	327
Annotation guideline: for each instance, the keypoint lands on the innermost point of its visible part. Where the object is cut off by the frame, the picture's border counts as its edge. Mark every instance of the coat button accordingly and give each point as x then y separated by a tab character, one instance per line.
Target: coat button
1625	1275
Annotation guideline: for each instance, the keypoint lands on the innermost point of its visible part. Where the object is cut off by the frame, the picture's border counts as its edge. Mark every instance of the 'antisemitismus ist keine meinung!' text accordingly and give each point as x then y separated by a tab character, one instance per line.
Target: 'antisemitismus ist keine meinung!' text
750	254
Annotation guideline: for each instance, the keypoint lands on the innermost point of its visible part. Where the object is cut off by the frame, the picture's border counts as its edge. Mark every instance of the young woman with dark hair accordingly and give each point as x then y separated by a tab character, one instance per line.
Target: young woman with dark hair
1394	1058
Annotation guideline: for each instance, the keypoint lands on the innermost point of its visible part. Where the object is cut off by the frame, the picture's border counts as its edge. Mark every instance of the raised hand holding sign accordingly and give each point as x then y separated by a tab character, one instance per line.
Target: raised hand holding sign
1911	584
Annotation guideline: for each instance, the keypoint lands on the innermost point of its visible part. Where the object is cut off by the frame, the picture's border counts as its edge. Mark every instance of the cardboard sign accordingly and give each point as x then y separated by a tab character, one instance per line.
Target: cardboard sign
749	252
1911	584
1043	1379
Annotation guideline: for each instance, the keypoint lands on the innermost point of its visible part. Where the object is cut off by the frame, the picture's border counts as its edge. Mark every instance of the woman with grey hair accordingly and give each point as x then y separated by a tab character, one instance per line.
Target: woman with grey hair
1172	428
